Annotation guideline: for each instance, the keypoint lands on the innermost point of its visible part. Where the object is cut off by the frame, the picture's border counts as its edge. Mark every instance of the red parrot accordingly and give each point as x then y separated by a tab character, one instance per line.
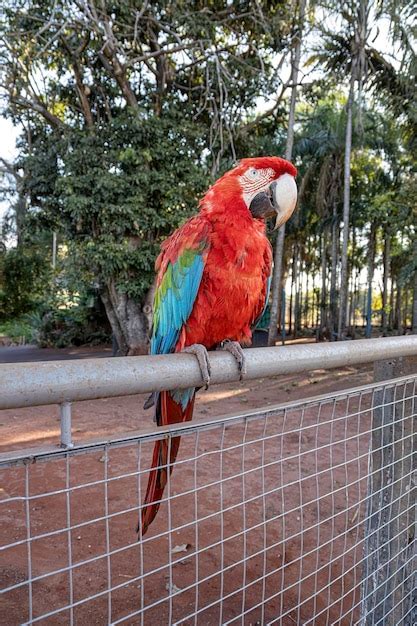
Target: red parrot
212	287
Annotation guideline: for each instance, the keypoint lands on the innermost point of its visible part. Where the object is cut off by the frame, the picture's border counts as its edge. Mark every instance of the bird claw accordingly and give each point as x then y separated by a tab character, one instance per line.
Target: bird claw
236	350
201	353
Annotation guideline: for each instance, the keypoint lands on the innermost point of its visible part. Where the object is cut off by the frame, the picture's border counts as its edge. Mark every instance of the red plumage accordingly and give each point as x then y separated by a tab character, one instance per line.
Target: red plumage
158	476
231	295
233	287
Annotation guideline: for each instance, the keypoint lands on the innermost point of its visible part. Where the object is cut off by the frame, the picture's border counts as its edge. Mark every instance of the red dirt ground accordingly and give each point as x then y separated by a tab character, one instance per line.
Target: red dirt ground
287	536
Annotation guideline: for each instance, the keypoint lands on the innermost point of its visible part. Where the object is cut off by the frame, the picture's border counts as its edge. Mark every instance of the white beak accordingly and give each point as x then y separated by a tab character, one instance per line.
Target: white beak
284	198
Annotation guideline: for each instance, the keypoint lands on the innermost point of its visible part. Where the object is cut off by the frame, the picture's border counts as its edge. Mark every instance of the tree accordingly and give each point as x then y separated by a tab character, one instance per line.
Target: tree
414	313
299	17
24	277
132	109
346	52
13	192
128	110
319	146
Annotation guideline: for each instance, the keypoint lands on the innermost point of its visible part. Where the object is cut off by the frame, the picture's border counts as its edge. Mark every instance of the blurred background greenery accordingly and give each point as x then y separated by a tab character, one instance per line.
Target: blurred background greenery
126	111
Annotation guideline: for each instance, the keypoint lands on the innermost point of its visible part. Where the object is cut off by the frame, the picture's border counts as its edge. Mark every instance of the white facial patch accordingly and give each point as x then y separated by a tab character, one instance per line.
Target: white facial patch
255	180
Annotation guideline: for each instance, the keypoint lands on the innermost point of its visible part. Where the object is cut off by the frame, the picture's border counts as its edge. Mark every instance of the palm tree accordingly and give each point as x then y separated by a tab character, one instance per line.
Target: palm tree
279	245
414	323
344	53
320	147
371	269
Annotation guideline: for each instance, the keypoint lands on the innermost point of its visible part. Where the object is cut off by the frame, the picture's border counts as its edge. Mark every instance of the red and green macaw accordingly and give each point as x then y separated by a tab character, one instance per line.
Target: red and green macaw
212	287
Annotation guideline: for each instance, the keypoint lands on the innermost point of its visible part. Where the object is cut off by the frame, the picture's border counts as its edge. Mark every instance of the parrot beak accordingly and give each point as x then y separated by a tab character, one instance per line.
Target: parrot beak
278	200
284	198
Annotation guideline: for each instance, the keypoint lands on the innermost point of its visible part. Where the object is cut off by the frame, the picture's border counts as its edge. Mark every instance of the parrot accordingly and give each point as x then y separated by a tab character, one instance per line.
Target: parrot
212	286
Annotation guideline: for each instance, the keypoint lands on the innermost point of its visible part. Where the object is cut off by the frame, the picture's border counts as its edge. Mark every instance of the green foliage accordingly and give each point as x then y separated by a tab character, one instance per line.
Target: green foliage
117	193
73	326
121	140
58	327
18	331
24	281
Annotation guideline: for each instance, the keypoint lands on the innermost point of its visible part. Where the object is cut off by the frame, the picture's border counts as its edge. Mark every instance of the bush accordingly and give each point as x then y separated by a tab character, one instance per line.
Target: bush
73	326
24	282
34	307
19	331
58	328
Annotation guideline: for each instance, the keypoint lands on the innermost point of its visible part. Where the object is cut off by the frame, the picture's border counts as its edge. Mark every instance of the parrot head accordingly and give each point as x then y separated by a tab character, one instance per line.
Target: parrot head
258	187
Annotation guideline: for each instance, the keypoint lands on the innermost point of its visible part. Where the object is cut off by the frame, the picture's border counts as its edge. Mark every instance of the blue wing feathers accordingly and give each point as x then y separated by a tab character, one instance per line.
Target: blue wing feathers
175	302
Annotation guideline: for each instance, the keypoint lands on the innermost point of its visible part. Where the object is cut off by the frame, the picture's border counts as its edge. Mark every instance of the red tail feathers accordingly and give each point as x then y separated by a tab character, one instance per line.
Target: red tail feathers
170	413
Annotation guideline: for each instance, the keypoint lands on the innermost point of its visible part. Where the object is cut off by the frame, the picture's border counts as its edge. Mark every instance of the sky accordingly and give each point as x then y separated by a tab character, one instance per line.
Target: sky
8	136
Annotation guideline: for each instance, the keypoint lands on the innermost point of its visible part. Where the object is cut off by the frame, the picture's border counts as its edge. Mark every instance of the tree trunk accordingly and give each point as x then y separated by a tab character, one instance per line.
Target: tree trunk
323	293
277	277
282	311
279	245
414	317
297	287
397	321
364	309
405	309
351	287
333	275
130	322
354	299
387	250
371	264
293	290
414	323
391	302
346	211
348	293
306	304
20	209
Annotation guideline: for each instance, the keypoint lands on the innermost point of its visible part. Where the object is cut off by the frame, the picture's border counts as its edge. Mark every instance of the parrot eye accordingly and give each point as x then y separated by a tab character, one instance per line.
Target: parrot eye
253	172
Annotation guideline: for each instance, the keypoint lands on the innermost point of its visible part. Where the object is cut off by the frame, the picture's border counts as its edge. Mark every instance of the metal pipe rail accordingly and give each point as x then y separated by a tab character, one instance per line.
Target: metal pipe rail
58	382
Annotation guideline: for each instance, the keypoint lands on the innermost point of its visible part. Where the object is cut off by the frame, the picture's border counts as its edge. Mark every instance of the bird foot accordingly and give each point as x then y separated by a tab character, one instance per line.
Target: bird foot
201	353
236	350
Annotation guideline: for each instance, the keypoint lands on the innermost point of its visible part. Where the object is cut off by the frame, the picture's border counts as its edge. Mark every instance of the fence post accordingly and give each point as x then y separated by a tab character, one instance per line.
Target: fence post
66	435
388	586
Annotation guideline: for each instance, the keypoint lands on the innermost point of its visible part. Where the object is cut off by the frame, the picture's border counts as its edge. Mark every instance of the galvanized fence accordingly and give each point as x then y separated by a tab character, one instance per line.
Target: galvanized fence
303	513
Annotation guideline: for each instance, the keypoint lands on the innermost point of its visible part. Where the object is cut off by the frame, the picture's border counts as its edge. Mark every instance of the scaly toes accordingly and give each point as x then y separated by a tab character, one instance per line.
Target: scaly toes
235	349
203	361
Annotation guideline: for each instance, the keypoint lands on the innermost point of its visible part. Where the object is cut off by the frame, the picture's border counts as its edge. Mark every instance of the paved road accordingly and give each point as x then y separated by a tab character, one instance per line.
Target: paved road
21	354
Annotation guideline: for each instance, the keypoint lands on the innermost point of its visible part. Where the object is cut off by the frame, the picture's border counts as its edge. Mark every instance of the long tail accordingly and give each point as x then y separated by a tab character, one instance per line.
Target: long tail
168	411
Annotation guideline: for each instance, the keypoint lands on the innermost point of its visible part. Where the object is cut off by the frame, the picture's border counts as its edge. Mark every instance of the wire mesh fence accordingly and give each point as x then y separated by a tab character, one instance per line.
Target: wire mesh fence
282	516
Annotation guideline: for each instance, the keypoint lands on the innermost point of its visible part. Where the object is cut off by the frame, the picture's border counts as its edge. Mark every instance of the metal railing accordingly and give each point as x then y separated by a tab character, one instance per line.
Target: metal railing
299	513
63	382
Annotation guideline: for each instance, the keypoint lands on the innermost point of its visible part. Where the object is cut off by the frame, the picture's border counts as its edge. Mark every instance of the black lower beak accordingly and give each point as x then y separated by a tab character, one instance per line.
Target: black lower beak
263	205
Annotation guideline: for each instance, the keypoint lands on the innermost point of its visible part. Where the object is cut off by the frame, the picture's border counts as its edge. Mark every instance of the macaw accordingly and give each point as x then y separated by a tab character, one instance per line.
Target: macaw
212	287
